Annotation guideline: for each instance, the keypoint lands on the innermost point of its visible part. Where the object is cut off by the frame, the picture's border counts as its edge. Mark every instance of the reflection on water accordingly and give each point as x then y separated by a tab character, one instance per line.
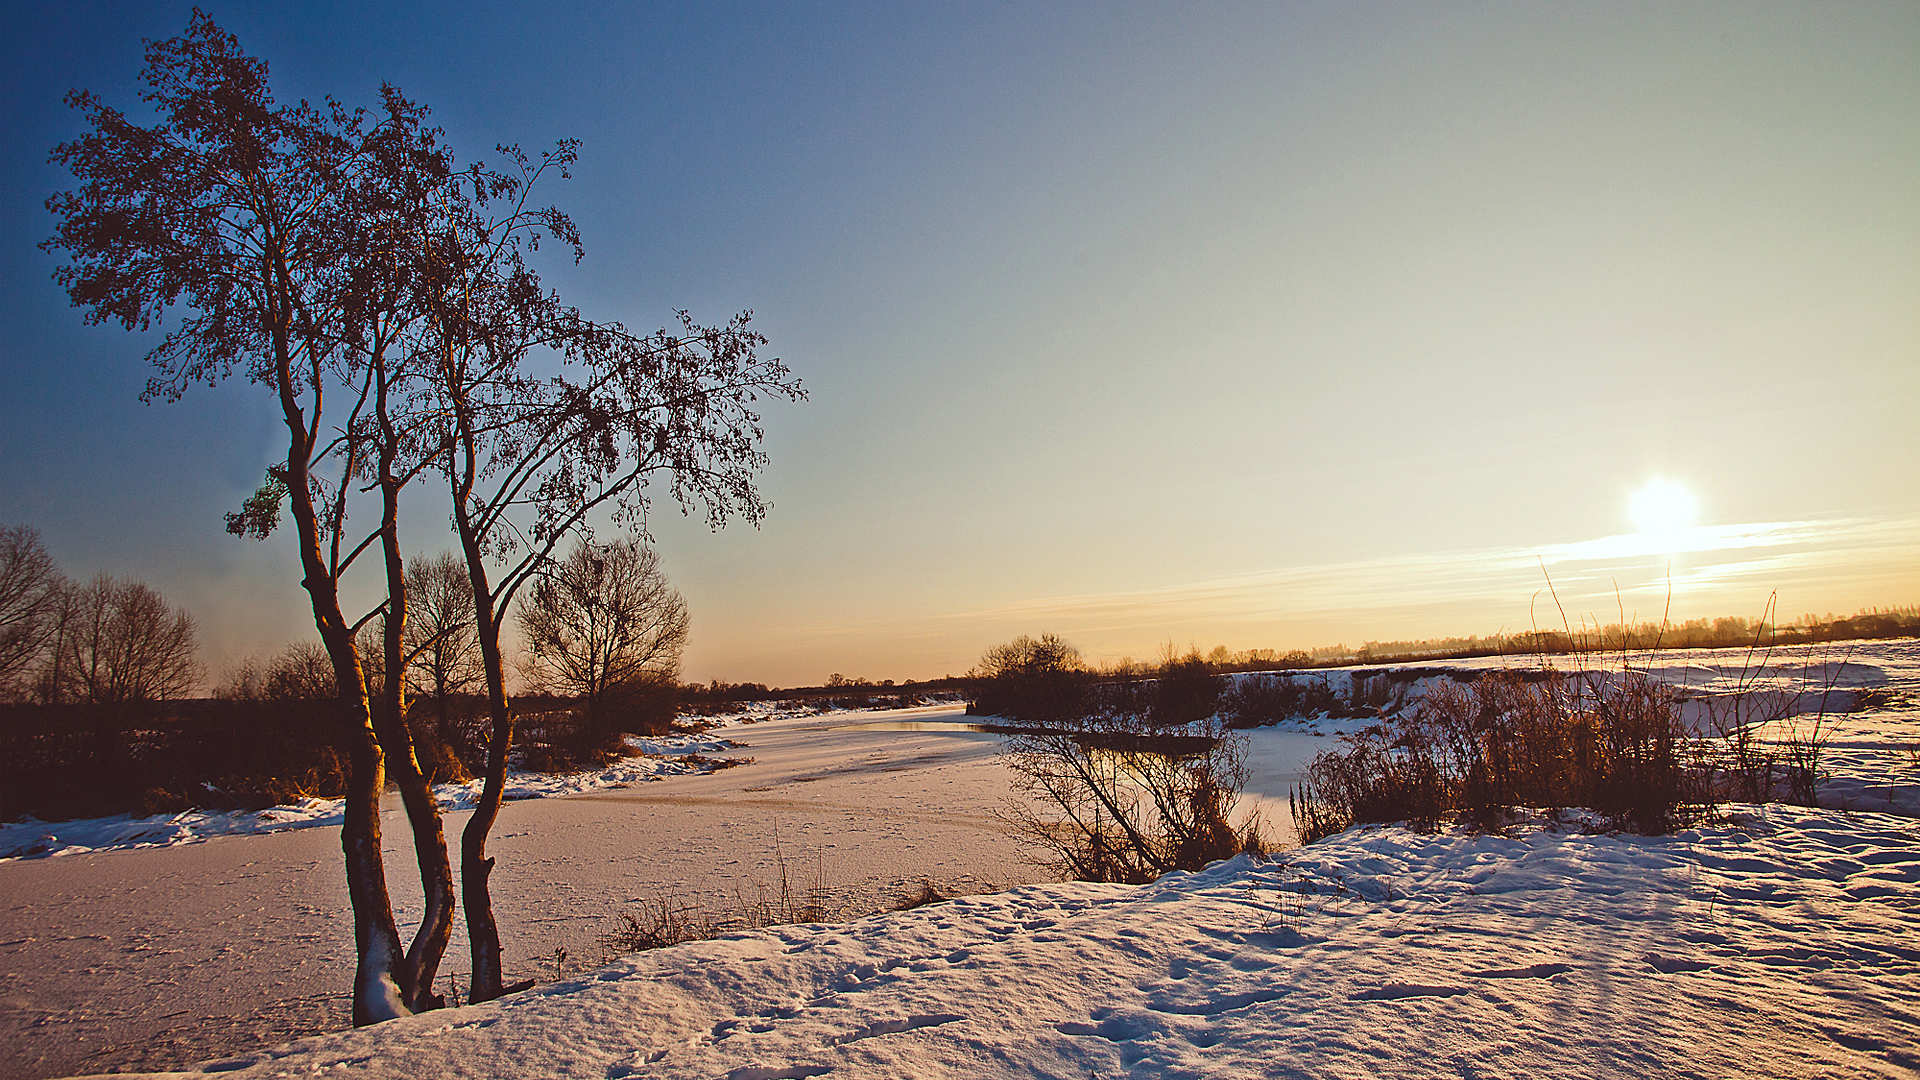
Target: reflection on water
915	725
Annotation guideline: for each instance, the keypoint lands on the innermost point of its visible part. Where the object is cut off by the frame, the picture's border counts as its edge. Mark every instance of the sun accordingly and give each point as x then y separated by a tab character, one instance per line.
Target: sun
1663	507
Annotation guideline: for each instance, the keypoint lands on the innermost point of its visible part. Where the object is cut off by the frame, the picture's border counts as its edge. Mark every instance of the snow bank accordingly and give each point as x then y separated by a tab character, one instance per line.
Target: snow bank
1777	943
659	758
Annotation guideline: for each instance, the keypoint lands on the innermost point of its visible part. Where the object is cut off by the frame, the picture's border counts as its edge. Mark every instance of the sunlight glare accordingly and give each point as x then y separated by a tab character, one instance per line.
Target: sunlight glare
1663	507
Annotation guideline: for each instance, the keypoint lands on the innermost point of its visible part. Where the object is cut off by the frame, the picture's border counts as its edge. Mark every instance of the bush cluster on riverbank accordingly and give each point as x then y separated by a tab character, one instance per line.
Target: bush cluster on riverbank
1614	744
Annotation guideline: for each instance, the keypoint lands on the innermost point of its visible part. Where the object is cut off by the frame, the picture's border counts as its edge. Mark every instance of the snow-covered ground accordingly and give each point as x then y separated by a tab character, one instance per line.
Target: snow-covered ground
1775	941
1779	943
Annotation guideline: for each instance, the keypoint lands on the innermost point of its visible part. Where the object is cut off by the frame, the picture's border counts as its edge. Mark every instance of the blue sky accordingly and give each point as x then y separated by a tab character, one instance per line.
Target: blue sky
1266	325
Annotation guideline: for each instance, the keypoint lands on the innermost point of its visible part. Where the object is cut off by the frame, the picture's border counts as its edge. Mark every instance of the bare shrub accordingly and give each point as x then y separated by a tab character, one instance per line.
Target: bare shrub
440	760
1122	801
1610	742
1185	689
554	741
1374	693
1258	700
668	920
302	672
659	923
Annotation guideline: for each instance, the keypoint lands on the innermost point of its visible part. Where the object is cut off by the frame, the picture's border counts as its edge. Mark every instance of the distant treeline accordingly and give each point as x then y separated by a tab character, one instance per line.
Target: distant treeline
718	698
79	759
1722	633
152	757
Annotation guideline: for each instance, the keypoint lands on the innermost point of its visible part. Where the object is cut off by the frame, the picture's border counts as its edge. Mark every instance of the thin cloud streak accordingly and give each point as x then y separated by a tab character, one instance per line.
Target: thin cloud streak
1633	563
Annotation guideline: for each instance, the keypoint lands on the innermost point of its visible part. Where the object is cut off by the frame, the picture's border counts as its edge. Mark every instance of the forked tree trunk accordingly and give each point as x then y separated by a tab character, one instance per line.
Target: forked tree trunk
377	984
422	962
378	990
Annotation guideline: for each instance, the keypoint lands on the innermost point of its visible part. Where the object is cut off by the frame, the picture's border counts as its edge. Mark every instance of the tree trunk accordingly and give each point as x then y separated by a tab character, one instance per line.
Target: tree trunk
483	932
379	990
377	993
422	963
376	981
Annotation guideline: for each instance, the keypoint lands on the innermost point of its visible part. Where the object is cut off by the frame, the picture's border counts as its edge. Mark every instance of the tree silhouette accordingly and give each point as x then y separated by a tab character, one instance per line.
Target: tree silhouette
341	262
31	589
233	220
442	649
604	624
118	642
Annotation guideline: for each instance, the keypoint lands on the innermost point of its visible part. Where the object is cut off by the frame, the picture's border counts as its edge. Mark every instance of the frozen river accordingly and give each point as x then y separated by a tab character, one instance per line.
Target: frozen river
164	957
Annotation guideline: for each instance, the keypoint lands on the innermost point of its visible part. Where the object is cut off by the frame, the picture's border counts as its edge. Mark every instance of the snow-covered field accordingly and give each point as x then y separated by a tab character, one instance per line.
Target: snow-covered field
1777	941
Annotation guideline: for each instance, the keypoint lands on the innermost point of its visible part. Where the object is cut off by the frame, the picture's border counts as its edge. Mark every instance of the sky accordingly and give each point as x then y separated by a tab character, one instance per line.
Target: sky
1265	326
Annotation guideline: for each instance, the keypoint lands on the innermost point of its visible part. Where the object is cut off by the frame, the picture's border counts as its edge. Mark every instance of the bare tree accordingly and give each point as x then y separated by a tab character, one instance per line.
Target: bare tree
528	458
443	650
302	672
31	588
333	260
121	642
603	623
236	216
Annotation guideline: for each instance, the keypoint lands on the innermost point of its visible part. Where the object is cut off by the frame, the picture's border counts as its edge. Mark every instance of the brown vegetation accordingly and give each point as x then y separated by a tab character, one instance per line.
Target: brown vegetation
1611	742
1117	778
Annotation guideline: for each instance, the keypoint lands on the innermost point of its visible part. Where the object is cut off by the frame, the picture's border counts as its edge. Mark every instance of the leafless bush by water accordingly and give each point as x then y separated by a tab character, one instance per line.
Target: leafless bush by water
1118	801
1125	778
1611	742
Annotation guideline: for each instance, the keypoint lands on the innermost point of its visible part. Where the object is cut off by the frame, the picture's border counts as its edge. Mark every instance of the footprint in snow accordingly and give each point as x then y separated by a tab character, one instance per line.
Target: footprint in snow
1396	990
1668	965
1531	971
778	1072
1111	1028
1212	1006
633	1067
890	1027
